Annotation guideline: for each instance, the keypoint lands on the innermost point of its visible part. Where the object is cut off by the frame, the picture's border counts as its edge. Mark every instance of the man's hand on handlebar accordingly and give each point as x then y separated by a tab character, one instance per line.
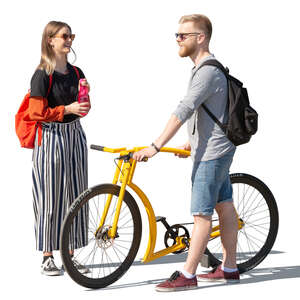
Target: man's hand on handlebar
187	147
144	153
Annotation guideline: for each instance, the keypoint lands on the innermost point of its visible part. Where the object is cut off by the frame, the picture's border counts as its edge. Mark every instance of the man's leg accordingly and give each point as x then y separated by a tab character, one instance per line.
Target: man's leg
228	228
198	243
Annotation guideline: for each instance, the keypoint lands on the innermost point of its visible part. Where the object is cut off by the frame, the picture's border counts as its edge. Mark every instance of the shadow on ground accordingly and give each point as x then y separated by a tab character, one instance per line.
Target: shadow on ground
253	276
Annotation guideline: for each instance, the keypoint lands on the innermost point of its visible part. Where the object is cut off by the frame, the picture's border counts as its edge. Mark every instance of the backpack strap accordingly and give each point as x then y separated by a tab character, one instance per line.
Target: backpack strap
50	84
214	117
77	73
225	71
38	124
217	64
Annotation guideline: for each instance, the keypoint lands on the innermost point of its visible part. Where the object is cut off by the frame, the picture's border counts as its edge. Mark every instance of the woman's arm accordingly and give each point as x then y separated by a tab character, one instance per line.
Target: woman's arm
40	111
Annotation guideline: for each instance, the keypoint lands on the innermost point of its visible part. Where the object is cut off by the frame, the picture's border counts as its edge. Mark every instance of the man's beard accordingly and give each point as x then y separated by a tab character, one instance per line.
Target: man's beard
185	51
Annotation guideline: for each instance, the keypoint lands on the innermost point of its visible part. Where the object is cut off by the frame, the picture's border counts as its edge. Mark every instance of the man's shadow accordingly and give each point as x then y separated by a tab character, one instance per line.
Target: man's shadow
252	276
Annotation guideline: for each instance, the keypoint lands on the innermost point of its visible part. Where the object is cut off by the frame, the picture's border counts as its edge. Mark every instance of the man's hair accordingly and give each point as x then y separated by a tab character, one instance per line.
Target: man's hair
201	22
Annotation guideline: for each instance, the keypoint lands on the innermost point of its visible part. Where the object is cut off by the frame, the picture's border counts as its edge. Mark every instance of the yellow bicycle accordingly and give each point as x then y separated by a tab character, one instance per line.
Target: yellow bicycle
113	228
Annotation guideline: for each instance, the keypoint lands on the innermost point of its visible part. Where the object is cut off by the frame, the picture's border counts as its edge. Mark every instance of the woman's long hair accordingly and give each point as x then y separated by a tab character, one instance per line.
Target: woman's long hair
48	62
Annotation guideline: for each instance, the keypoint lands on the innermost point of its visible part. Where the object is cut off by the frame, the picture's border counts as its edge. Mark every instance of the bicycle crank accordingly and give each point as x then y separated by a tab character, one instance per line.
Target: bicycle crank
173	232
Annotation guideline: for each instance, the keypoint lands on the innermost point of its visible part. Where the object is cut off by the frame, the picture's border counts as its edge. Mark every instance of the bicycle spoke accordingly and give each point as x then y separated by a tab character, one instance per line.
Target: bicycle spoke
254	210
124	215
119	249
254	213
78	252
122	226
92	219
259	219
254	227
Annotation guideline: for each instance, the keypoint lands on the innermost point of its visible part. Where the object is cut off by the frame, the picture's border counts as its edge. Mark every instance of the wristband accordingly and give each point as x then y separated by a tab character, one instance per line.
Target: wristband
155	147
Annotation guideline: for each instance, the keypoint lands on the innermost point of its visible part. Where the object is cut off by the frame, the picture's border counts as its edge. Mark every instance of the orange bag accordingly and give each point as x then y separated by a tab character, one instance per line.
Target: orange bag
26	128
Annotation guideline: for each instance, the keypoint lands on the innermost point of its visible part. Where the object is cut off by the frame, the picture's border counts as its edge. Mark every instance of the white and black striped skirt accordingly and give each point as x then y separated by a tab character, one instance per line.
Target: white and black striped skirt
60	175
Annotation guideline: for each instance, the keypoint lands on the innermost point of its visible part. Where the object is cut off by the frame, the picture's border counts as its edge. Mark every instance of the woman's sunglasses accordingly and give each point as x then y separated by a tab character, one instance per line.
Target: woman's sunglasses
66	36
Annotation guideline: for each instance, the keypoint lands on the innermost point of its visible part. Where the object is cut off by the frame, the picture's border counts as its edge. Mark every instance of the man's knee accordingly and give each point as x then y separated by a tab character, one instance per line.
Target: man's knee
202	218
225	208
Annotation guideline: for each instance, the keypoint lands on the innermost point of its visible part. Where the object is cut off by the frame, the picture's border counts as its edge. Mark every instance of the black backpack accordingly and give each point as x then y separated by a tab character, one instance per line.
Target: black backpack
242	118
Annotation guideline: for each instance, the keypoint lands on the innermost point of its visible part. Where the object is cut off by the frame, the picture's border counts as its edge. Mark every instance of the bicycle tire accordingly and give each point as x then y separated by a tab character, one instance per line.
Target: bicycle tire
111	250
258	249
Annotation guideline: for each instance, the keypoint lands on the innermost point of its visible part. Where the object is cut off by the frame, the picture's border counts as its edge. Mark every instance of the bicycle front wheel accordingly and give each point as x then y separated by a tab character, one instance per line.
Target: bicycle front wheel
100	260
256	207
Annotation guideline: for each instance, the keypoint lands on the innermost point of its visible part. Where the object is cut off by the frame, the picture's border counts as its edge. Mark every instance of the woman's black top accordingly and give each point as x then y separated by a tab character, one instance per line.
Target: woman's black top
64	88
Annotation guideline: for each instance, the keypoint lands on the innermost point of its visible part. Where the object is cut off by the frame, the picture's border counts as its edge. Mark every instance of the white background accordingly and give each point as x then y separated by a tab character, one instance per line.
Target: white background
128	53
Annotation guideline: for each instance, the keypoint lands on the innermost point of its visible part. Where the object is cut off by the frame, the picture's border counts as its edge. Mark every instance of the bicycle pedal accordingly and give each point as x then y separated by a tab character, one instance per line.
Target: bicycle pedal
163	220
160	218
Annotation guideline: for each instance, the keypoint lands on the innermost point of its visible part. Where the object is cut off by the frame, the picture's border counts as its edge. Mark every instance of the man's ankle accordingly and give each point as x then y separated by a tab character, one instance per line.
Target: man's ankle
187	275
229	270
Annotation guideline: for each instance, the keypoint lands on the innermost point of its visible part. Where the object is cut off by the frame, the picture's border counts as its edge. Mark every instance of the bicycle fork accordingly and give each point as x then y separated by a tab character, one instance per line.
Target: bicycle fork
124	177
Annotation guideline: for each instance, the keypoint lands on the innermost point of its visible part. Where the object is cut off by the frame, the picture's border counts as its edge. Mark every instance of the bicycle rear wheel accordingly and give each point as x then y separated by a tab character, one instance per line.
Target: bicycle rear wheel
257	208
104	259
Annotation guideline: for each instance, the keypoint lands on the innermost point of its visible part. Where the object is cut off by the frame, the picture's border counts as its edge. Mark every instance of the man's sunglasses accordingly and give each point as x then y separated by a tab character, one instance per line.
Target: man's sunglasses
66	36
183	36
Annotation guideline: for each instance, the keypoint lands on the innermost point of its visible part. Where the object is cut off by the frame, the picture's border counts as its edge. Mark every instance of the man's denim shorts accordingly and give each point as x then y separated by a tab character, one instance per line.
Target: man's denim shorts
211	184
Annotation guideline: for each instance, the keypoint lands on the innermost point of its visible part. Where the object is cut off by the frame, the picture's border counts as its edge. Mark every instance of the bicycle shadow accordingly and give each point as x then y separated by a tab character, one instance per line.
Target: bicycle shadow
253	276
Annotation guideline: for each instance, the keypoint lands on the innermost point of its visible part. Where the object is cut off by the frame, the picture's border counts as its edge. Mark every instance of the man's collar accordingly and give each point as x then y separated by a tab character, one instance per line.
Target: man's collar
195	68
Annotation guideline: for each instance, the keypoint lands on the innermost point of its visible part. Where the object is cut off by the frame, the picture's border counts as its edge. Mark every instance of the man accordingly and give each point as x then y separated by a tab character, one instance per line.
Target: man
212	154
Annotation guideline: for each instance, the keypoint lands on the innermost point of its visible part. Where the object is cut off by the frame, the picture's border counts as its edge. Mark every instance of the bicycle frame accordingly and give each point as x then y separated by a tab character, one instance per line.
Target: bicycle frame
124	174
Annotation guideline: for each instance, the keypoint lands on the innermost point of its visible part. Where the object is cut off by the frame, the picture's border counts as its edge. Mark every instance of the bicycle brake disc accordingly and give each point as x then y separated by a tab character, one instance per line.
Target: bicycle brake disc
102	237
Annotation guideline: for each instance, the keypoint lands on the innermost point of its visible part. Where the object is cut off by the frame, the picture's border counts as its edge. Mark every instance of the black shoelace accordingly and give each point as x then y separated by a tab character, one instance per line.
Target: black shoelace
215	269
174	276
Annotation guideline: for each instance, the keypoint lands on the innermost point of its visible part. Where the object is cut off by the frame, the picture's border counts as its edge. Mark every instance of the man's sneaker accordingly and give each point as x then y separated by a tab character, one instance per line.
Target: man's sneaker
219	275
81	268
49	268
177	282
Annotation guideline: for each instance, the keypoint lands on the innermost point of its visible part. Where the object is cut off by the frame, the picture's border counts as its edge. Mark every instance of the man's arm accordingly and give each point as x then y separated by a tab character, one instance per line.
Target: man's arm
199	91
170	130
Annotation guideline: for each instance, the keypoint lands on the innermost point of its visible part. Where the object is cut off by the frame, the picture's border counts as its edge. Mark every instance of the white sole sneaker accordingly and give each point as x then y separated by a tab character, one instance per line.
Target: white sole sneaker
49	268
52	273
199	279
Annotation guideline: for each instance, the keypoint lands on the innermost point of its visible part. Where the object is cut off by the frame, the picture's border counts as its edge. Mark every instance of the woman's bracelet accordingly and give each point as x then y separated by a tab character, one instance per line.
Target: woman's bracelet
155	147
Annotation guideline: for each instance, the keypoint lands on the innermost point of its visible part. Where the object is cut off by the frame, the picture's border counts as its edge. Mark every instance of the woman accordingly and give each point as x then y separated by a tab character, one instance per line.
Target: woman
60	158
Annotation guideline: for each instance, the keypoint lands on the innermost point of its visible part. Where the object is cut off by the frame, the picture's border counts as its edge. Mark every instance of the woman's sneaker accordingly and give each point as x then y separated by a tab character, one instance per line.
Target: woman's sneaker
218	275
49	268
81	268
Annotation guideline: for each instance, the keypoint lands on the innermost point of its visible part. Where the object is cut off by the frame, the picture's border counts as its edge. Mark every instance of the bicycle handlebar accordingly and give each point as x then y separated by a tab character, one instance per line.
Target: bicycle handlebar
117	150
175	151
105	149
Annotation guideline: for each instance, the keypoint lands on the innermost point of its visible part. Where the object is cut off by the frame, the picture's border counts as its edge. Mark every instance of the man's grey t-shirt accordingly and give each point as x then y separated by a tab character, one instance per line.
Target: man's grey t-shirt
207	85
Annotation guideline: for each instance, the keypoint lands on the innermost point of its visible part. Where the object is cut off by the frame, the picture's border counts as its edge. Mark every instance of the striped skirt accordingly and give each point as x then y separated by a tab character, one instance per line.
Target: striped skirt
59	176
